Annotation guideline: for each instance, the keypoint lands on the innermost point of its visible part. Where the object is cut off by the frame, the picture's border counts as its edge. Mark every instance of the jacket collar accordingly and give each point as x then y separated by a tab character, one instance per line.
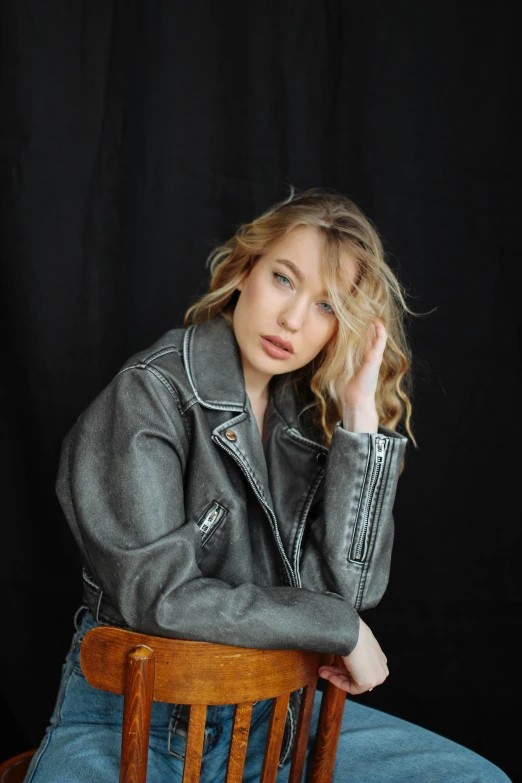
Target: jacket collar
213	364
214	367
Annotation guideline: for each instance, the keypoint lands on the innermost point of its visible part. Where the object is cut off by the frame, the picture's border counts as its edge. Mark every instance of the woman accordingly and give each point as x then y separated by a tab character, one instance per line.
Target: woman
234	483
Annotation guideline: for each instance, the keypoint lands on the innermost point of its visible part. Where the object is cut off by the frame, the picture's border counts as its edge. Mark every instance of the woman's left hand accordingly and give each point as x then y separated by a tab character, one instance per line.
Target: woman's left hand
359	391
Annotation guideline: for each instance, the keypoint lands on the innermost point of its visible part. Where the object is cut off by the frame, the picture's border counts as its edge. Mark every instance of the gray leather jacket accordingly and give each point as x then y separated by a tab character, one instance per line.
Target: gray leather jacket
189	528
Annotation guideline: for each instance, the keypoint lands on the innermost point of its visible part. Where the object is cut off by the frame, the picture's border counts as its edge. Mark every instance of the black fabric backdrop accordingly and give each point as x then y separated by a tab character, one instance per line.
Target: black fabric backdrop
136	135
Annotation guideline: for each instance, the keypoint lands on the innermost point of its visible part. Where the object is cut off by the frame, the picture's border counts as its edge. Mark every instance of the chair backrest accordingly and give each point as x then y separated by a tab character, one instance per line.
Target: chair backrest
146	668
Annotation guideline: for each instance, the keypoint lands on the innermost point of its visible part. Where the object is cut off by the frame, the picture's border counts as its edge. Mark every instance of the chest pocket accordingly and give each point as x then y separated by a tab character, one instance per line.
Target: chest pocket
211	519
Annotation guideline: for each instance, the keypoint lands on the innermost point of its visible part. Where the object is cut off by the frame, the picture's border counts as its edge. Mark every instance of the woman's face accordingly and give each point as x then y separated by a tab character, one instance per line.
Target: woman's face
284	297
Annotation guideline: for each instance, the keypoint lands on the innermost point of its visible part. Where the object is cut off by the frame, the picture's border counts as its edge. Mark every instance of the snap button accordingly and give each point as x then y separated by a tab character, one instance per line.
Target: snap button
230	434
321	458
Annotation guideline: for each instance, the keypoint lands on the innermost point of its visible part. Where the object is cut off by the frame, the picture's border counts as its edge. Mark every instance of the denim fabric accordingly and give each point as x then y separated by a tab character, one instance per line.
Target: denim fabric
82	743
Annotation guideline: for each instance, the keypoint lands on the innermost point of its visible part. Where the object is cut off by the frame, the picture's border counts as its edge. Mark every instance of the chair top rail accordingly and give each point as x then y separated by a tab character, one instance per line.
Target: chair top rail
188	672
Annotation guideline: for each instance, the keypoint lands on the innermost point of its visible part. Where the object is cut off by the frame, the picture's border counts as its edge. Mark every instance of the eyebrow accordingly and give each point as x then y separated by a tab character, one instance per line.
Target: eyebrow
297	272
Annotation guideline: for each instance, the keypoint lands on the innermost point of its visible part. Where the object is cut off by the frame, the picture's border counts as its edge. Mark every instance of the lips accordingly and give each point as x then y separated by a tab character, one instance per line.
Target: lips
274	351
279	341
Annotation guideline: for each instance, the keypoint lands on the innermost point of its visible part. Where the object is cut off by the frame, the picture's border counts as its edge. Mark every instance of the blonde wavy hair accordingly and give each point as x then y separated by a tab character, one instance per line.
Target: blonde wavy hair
376	292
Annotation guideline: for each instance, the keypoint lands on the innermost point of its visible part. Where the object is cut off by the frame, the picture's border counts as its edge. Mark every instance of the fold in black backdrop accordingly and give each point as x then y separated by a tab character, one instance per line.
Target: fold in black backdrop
136	135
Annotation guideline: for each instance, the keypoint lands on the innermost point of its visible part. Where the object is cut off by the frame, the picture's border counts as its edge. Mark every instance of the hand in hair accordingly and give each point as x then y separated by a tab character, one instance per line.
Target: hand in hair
362	670
358	393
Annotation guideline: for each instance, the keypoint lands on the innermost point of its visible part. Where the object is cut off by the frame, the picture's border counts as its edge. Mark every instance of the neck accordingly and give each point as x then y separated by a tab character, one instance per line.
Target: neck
257	397
257	387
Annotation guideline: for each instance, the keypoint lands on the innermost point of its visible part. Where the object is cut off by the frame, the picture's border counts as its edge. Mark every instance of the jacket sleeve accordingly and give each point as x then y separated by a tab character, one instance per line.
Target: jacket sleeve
120	485
350	528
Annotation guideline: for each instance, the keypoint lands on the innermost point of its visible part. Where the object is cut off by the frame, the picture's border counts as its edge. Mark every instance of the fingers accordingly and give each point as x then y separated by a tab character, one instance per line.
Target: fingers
379	335
375	341
345	684
333	669
334	674
341	678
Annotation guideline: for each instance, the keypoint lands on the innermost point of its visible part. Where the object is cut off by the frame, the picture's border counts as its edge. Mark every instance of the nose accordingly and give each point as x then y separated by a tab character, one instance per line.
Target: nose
293	316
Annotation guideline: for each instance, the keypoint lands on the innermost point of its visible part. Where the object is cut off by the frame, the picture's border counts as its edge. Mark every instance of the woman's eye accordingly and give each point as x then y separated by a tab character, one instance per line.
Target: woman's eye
328	305
283	276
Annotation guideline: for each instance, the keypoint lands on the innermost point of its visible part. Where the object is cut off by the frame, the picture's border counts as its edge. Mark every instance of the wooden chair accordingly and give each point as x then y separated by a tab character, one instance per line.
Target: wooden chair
149	668
13	770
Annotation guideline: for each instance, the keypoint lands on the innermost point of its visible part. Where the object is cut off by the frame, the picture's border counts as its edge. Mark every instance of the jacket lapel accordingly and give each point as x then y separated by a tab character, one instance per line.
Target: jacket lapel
213	363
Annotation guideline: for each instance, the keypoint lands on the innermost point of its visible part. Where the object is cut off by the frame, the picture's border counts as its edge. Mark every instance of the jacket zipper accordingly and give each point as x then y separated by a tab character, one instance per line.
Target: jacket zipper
359	546
211	519
268	511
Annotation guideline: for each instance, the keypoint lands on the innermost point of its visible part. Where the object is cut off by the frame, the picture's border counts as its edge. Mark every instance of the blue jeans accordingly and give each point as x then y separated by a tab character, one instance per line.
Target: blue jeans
82	743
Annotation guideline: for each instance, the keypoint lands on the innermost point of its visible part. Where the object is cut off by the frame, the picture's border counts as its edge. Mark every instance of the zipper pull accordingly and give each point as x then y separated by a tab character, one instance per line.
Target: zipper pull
380	449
